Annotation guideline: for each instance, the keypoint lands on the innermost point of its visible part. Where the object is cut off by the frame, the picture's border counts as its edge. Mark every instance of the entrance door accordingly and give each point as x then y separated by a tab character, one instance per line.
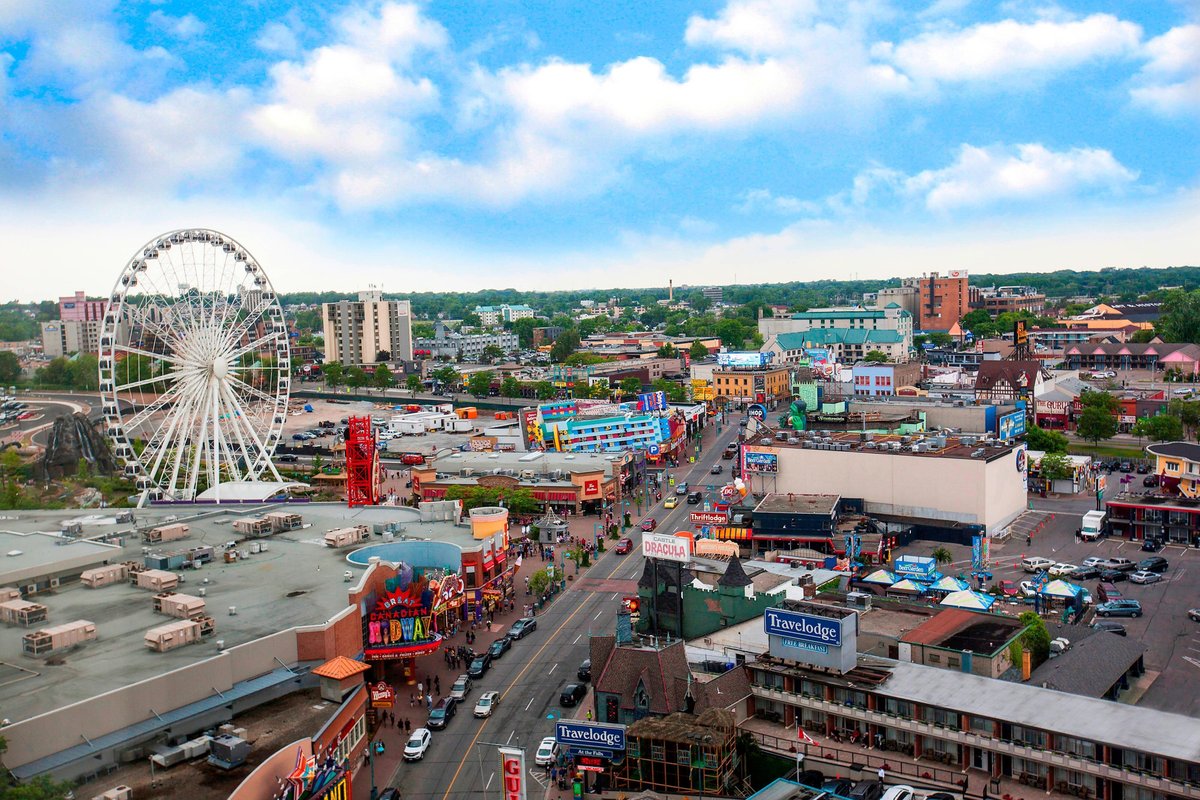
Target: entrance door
981	759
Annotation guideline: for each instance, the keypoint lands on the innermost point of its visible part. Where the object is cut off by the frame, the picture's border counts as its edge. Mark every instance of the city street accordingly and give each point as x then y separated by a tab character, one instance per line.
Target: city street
462	760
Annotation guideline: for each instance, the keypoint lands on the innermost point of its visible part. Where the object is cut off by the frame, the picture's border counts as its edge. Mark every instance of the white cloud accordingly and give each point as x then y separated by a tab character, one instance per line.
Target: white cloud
756	201
1008	49
983	176
1169	83
186	27
754	26
279	39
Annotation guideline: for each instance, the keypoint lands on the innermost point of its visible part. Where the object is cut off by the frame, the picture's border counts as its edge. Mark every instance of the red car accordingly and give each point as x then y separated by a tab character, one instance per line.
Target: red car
1008	588
624	546
649	524
412	459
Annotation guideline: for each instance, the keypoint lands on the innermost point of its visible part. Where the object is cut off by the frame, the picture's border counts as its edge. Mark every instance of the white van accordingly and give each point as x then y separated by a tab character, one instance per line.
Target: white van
1092	527
1036	563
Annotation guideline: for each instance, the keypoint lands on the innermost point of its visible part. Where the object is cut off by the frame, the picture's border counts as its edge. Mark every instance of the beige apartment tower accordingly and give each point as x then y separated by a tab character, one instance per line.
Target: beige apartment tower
356	331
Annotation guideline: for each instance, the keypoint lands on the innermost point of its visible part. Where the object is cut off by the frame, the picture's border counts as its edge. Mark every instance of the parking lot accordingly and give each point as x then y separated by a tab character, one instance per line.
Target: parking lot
1172	639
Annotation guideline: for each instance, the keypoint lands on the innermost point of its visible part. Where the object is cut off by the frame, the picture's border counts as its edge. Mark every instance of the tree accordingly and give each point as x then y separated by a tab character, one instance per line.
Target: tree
539	582
941	555
1036	638
523	328
383	355
674	391
1143	336
545	390
1159	428
1180	320
447	376
1046	441
491	353
10	367
1056	467
630	386
39	788
356	377
566	344
876	357
83	372
472	319
517	501
698	350
1188	412
333	372
413	383
480	382
667	350
510	386
1096	423
383	379
1102	400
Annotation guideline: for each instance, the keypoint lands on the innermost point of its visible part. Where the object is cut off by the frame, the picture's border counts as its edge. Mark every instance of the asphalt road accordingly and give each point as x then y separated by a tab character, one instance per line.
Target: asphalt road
462	760
46	409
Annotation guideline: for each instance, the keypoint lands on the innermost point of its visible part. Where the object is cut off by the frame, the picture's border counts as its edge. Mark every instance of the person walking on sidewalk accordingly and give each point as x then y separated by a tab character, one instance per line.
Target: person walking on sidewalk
437	684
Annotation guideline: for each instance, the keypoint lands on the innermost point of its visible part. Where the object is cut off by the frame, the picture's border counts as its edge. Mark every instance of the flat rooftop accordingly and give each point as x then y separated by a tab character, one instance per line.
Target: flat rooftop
539	462
934	445
824	504
298	581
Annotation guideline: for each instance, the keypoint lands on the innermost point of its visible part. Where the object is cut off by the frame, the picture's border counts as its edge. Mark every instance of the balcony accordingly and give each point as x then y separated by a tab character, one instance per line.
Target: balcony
1020	749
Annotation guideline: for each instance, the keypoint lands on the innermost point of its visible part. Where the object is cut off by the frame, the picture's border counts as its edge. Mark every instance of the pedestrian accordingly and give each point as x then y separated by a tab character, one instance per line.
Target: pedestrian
589	715
437	683
1028	539
407	725
420	687
412	699
883	768
429	702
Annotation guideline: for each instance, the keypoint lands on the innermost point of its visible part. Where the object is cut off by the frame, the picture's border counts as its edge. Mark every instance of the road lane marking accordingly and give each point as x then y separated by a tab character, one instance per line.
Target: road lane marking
527	705
598	613
553	668
511	734
504	694
577	638
614	596
489	782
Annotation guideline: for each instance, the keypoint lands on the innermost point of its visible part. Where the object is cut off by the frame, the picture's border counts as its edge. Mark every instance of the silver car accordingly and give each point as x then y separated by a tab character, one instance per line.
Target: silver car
1144	576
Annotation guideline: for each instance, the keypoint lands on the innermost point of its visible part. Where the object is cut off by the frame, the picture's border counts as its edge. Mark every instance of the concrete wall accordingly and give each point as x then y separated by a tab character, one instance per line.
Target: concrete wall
957	489
342	636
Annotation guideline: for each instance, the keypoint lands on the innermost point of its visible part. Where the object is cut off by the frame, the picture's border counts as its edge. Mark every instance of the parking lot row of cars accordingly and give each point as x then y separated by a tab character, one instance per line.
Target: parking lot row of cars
1109	571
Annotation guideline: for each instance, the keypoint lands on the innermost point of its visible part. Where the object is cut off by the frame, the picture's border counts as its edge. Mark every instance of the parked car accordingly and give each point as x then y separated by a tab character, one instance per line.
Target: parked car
1145	576
1094	561
480	666
417	744
390	793
867	790
1036	563
1120	608
499	647
584	673
1113	575
571	694
547	752
442	713
1154	564
412	459
671	502
1194	614
812	778
287	458
1150	480
624	546
1007	588
1143	468
461	688
1106	591
1061	570
1123	564
717	469
1151	546
1111	627
1028	589
899	792
486	704
522	627
839	786
649	524
1083	573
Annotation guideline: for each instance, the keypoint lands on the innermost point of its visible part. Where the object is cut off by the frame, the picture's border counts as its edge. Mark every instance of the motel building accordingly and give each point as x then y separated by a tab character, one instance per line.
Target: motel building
943	725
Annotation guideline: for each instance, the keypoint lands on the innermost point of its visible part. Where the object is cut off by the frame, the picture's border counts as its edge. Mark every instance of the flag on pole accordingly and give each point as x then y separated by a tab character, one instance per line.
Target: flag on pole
804	737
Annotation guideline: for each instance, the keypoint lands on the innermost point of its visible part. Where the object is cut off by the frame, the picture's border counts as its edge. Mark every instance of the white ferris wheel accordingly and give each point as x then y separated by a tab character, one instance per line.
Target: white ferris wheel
194	367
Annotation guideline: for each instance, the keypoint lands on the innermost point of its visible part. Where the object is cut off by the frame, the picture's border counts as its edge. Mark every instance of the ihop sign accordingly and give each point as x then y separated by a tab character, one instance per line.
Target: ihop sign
815	634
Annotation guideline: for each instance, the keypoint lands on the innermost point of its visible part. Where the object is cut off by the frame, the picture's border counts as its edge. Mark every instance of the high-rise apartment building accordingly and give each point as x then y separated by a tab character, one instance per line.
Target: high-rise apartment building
941	301
356	331
79	308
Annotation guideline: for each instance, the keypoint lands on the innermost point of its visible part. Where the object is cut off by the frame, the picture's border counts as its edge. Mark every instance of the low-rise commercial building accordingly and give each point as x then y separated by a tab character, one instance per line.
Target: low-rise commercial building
883	380
469	346
1177	465
998	300
960	482
491	316
1130	355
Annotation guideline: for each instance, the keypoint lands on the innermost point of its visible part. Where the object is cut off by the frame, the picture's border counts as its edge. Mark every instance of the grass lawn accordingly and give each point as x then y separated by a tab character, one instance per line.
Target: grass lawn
1106	451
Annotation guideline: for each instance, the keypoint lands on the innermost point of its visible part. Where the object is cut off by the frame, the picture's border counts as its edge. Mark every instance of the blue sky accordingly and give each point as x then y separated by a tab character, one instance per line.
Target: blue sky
574	145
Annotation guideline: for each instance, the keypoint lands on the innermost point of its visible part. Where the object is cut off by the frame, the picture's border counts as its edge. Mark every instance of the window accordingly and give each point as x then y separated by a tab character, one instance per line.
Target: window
934	658
657	753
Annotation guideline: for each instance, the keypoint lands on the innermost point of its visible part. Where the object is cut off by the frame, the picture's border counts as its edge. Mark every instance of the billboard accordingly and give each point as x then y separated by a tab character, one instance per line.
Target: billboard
813	634
795	625
749	359
757	461
1020	333
590	735
709	517
672	548
757	412
512	768
1010	426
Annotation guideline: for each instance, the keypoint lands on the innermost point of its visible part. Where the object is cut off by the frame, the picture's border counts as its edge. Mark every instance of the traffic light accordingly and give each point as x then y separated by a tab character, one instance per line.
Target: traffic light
634	603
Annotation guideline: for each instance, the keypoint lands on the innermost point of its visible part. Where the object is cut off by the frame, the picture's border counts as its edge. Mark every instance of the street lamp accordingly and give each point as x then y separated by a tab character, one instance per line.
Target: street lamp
371	760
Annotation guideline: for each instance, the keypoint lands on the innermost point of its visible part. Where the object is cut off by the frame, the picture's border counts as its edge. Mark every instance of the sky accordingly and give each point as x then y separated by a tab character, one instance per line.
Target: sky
567	144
